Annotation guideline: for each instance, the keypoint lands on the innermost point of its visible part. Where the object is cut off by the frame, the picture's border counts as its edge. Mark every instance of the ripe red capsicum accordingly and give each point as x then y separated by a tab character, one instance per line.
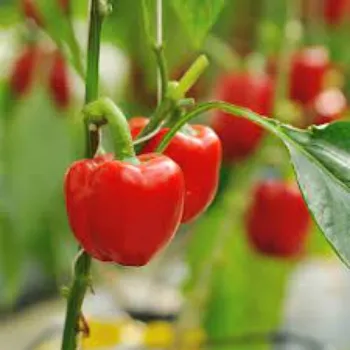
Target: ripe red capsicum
198	153
308	70
123	210
240	137
277	220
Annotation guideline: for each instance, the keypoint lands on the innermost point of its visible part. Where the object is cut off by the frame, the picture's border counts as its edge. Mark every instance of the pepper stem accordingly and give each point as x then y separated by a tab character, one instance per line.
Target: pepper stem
81	279
104	109
189	78
267	124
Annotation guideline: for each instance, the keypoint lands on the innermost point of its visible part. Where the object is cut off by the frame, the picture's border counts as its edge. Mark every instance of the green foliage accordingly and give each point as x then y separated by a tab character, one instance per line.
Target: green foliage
198	16
320	157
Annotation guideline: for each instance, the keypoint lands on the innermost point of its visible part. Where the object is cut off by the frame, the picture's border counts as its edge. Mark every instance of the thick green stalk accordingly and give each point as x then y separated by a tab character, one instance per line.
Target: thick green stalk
92	76
75	301
82	265
158	50
176	92
105	110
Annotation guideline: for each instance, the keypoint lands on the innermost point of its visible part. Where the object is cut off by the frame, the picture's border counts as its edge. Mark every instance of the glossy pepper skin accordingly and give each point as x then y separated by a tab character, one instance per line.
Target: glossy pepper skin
277	220
78	195
124	212
240	137
31	11
308	70
198	153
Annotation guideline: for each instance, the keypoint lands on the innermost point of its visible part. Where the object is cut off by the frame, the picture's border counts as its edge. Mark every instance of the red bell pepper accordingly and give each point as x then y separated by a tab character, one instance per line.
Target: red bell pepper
308	70
240	137
198	153
123	210
277	220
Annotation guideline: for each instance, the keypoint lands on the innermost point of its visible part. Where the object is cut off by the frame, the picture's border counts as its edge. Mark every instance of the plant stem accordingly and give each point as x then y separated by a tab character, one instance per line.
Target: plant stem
192	75
104	109
83	262
160	114
76	52
157	48
162	69
176	92
75	301
92	76
267	124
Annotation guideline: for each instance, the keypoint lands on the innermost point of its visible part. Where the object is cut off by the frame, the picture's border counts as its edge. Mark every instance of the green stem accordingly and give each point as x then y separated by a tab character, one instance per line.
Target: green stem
75	301
163	70
104	109
160	114
157	49
82	265
92	76
75	49
192	75
267	124
175	93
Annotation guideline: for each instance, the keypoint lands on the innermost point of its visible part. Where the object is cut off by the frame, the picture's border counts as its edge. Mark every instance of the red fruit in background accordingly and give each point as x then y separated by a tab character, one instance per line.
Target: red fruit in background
58	81
330	105
240	137
198	153
35	62
335	10
124	212
23	72
308	70
277	220
31	11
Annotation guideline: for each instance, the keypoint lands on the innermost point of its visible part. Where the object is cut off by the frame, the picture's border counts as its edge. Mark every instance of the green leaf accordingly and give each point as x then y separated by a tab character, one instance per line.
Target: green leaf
198	16
321	159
